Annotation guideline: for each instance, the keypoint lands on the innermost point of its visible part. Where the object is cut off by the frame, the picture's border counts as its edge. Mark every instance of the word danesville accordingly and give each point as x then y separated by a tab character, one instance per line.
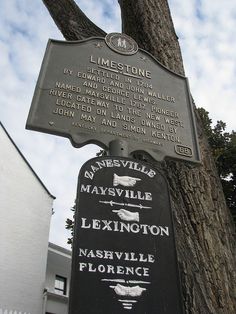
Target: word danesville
115	163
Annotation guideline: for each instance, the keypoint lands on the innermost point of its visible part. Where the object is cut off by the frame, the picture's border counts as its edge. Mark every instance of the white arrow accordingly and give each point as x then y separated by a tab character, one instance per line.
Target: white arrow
125	204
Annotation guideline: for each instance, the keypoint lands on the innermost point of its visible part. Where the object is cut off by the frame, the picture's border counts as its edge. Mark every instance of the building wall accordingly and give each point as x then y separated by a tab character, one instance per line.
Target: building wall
25	212
58	263
56	304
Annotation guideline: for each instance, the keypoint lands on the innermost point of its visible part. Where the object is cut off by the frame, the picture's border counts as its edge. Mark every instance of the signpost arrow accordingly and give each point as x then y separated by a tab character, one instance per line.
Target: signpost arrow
111	203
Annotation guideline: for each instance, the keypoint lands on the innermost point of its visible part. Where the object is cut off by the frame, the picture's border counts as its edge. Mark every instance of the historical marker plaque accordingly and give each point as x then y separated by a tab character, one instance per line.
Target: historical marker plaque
124	258
95	91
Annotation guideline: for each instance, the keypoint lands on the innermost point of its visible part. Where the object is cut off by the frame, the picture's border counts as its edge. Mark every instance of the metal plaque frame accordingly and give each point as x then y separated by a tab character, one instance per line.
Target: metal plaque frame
91	93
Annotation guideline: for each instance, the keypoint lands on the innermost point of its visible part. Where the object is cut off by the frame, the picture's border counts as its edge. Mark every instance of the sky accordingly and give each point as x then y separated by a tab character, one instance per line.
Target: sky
206	31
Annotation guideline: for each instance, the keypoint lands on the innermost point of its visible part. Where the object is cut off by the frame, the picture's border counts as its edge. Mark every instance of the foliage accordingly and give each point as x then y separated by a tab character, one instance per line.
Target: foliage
223	146
70	225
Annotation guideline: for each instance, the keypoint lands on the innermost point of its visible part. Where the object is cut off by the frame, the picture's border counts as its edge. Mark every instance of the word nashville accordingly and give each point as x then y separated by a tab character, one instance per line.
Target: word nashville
119	226
114	255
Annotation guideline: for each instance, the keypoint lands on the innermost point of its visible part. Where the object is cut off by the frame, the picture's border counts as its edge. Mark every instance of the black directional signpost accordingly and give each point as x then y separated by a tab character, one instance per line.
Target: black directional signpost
124	257
111	93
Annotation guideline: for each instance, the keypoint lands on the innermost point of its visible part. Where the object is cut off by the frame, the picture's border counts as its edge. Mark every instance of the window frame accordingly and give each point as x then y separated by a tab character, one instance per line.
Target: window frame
60	280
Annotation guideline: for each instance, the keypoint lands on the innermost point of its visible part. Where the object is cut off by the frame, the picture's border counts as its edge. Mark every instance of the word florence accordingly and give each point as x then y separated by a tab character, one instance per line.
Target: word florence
119	226
110	269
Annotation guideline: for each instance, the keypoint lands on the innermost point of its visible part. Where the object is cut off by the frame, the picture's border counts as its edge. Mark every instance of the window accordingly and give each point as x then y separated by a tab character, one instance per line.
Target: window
60	285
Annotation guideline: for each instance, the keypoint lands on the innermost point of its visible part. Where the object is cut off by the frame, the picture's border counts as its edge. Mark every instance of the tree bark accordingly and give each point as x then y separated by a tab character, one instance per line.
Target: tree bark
146	21
205	233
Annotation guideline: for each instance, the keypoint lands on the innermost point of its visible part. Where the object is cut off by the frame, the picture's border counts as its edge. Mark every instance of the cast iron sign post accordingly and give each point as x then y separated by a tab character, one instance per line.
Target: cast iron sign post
124	256
111	93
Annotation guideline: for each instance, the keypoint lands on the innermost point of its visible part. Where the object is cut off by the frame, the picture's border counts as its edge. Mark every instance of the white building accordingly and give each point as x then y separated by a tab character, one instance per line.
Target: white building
25	213
57	280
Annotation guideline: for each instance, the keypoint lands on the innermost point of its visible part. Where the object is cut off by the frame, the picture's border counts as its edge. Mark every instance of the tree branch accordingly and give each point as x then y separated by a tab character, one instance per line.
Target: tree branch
71	21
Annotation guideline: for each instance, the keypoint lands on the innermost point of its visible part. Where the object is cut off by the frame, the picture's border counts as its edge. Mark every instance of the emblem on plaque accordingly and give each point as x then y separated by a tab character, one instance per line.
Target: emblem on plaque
121	43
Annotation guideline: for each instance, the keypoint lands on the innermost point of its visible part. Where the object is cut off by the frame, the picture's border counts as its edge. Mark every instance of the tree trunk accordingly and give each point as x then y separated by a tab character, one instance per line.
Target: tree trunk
204	227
